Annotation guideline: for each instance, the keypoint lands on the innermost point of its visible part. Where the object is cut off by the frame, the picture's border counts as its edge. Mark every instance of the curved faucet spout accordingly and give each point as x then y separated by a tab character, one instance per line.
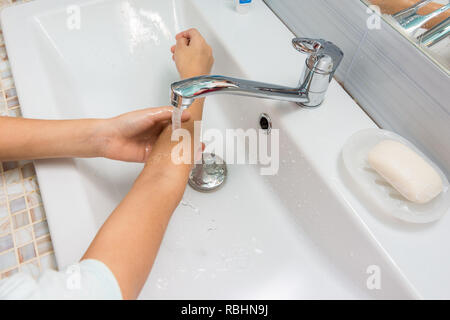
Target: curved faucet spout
186	91
323	59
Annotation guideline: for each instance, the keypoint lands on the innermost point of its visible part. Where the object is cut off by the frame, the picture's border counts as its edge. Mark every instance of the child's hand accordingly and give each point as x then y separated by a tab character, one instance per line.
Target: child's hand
130	136
192	55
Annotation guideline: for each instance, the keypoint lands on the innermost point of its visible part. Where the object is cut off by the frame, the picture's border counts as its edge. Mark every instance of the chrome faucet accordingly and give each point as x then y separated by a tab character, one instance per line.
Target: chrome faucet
436	34
323	59
410	12
411	21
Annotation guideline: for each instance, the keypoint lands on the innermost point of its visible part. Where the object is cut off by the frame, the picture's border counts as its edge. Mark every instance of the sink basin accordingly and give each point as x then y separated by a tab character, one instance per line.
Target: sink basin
299	234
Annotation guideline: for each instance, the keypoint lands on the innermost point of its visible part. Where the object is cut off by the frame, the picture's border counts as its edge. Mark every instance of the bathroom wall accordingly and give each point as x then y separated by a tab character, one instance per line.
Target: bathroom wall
394	82
25	243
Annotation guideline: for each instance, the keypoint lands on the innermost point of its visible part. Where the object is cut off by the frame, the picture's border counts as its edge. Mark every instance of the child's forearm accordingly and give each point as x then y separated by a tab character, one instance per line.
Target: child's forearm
129	240
37	139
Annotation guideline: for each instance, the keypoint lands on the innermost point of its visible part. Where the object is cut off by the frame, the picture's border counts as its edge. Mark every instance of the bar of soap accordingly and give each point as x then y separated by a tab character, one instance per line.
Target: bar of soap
412	176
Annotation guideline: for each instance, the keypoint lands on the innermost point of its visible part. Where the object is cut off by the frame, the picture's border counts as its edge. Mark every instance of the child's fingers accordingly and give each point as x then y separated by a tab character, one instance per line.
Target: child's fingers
185	116
181	42
193	35
190	34
165	113
161	114
182	34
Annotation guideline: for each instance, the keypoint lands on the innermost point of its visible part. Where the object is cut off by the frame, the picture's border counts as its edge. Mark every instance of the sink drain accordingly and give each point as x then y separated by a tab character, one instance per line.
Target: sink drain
209	175
265	122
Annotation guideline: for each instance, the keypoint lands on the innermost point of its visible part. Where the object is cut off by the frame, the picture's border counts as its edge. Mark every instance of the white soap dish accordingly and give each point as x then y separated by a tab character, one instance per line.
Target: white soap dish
377	190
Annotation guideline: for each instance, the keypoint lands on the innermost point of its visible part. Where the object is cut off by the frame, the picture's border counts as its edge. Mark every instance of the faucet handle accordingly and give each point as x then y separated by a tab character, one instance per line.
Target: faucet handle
323	56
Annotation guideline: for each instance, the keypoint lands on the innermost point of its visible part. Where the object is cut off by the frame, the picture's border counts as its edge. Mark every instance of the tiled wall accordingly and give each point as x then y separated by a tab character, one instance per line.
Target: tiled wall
25	243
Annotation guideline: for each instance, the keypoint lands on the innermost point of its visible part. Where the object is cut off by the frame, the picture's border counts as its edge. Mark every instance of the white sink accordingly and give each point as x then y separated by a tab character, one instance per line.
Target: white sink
299	234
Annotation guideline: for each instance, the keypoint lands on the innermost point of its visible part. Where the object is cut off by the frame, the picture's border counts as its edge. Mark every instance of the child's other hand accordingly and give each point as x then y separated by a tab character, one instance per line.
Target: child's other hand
192	55
130	136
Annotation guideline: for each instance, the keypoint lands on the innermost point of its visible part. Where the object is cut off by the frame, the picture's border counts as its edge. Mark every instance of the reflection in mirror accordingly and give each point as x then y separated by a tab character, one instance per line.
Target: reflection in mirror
425	22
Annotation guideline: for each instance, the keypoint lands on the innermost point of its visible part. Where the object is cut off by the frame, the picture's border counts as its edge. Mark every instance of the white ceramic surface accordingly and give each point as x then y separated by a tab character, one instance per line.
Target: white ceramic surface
299	234
375	189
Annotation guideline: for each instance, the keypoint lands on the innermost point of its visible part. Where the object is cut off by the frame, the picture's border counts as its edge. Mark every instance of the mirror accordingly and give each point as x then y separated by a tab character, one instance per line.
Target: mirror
425	23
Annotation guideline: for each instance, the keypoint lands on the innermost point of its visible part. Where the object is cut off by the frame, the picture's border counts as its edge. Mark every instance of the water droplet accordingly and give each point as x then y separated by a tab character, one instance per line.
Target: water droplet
187	203
258	251
162	283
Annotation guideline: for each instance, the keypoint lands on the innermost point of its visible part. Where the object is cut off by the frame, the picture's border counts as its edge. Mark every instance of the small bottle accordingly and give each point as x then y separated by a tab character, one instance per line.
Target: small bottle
243	6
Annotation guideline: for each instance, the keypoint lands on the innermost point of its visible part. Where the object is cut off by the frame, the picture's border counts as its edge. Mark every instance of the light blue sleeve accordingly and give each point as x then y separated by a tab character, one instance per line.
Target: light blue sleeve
89	279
